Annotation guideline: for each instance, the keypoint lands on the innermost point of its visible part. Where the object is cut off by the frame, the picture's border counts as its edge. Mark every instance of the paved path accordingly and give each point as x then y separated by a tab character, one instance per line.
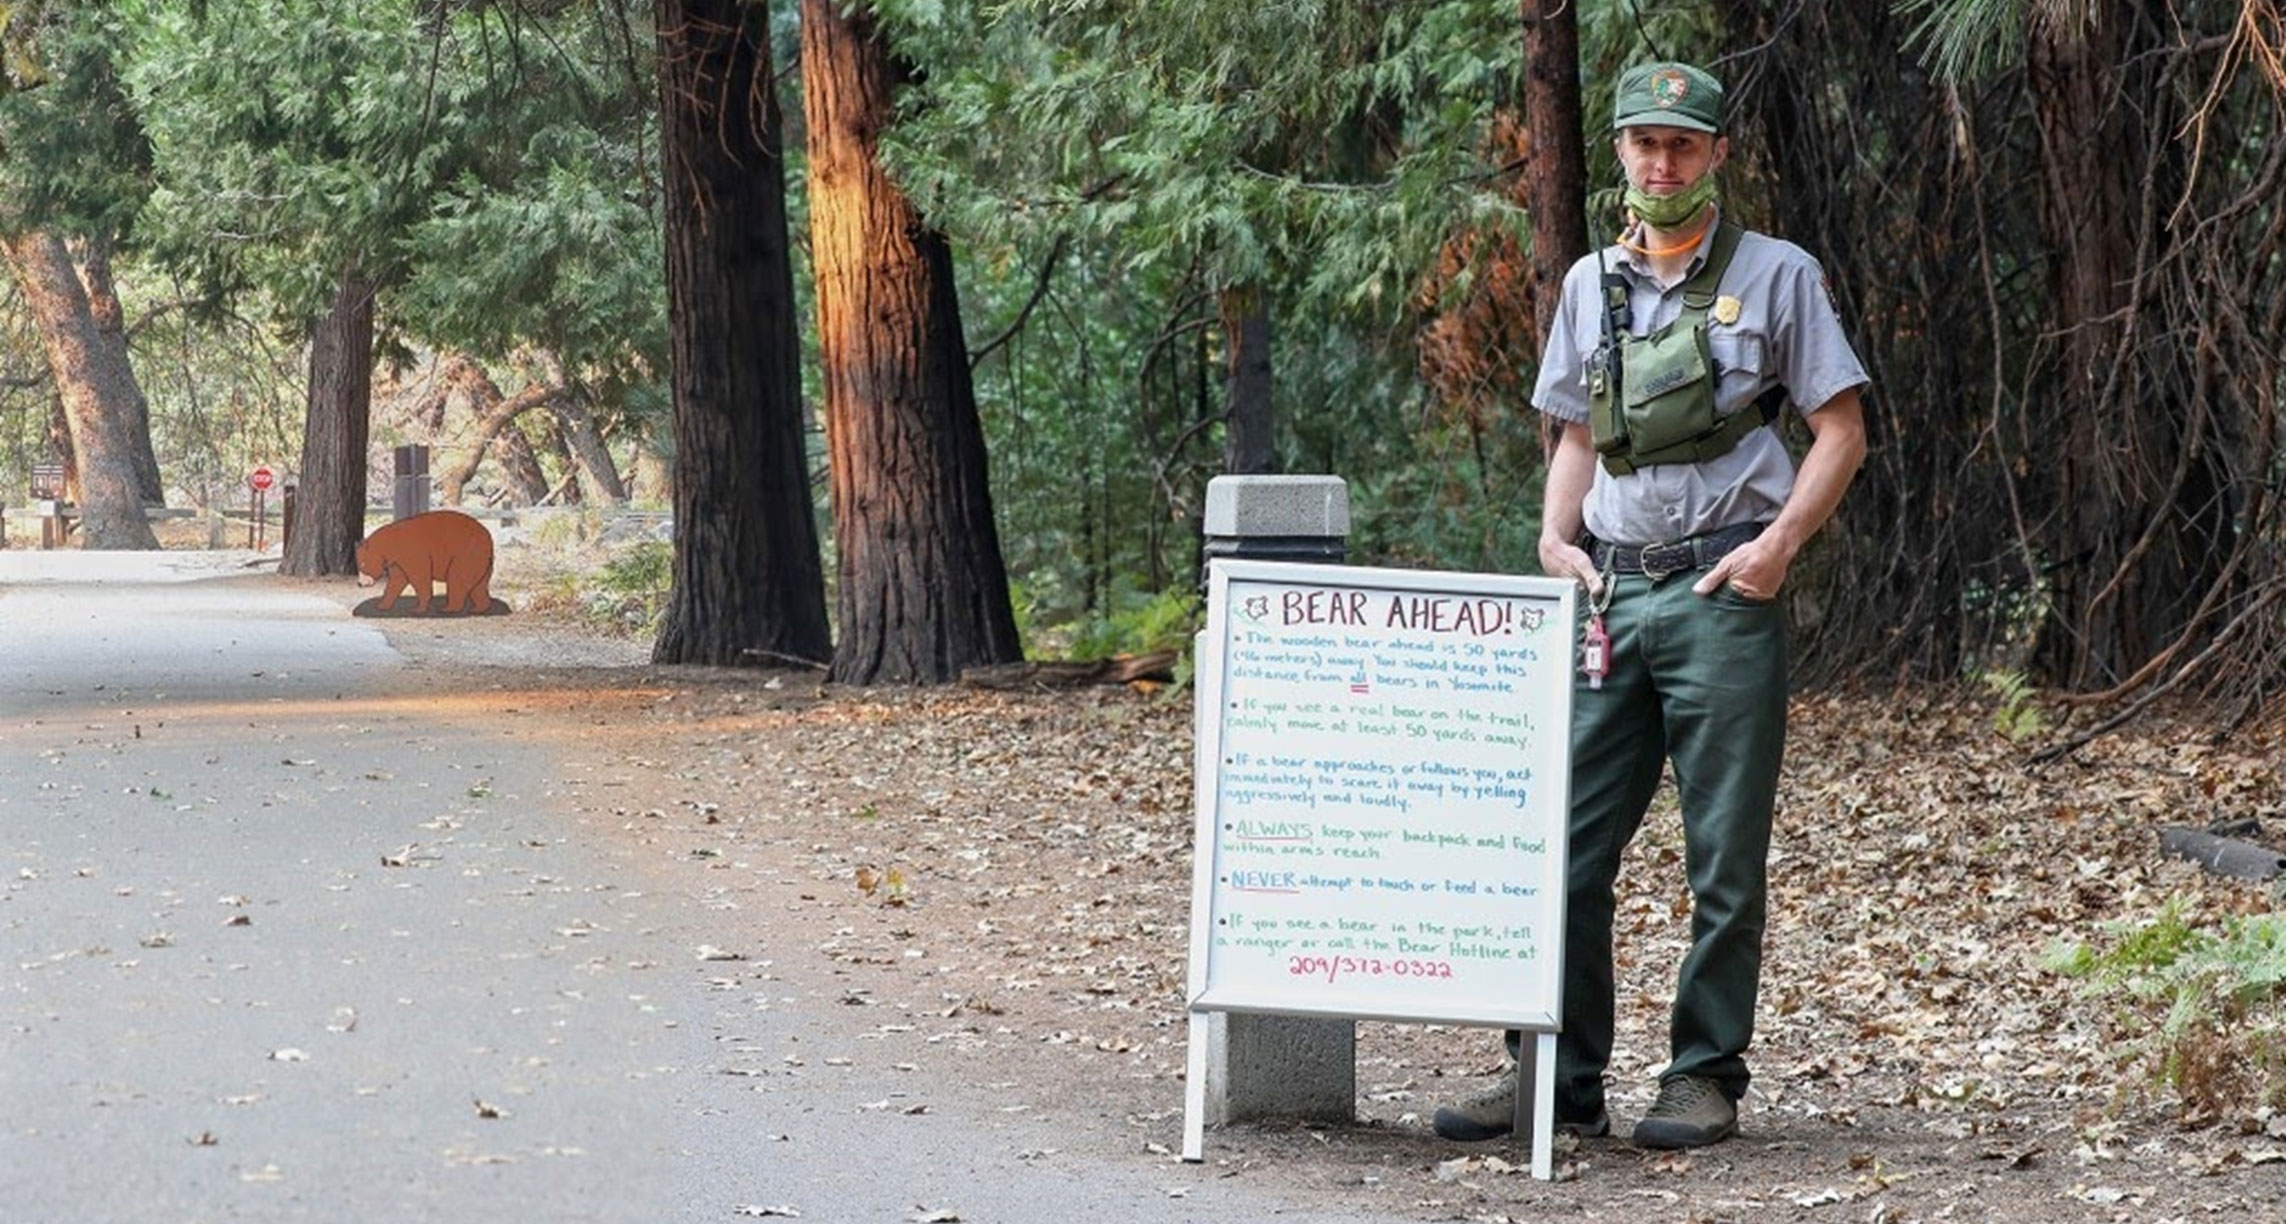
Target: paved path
283	938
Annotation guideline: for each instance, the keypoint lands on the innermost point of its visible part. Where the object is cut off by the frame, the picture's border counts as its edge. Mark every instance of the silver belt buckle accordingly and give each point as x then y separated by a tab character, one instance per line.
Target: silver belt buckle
1656	570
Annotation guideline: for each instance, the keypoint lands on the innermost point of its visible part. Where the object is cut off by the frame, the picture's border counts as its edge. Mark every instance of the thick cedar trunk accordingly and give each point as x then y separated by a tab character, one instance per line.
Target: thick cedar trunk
111	332
1555	185
96	402
2097	101
329	514
923	590
1249	447
749	587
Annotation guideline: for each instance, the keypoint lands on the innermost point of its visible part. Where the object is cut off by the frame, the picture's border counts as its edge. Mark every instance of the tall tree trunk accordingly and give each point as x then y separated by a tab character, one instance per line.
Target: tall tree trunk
924	592
1888	574
578	441
566	491
496	434
1556	185
1491	297
111	330
96	404
651	482
59	444
2133	551
599	482
1250	447
749	587
520	466
329	514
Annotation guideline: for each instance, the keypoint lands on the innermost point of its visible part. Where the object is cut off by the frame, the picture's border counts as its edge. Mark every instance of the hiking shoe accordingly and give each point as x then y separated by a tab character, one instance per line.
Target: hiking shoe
1691	1112
1490	1112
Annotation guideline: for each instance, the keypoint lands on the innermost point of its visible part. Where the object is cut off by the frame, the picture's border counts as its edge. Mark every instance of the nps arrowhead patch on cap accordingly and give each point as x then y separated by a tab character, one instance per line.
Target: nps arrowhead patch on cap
1669	94
1668	88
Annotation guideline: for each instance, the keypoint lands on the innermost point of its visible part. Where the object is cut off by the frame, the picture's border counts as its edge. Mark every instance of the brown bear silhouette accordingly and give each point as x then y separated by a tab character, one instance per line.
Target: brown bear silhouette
414	554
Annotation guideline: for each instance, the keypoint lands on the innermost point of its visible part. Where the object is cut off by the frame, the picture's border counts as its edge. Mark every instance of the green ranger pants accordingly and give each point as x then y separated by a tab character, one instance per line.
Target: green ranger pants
1699	680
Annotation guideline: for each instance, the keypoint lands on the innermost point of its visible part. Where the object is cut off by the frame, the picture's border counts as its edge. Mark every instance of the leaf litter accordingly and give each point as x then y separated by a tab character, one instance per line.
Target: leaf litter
1914	1058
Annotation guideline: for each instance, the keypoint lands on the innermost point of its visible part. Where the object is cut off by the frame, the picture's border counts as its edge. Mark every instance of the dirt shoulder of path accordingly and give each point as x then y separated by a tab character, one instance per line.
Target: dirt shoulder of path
1010	872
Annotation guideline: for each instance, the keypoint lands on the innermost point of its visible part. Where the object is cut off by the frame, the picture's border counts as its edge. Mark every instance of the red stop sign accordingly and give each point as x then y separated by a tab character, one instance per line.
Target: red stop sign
261	478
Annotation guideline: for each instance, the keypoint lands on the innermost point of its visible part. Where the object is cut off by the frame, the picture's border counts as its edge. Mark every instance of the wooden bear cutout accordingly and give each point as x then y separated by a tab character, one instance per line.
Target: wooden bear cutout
411	556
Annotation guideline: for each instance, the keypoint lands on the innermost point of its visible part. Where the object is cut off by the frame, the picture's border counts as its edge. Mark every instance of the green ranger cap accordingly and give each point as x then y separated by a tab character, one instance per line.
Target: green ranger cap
1668	95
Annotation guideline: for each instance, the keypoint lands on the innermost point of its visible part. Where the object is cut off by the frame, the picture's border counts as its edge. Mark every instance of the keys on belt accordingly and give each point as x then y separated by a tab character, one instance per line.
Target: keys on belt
1656	562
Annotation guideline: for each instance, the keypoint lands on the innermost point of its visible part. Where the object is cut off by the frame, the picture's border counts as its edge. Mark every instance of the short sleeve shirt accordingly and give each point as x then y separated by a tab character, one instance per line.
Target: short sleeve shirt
1786	333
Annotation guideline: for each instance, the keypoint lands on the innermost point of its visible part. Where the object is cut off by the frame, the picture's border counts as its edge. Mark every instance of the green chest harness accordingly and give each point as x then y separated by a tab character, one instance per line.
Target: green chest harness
1651	399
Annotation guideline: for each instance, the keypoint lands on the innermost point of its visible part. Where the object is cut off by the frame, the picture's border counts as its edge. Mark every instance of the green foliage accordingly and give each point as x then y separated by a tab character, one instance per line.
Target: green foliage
74	154
2208	1005
1967	40
1144	156
1326	146
19	65
626	595
2018	716
292	138
491	172
490	165
547	231
1135	621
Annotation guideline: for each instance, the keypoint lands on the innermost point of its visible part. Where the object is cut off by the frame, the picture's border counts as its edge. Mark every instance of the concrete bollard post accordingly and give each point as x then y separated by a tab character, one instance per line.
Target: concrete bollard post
1277	518
409	492
1278	1066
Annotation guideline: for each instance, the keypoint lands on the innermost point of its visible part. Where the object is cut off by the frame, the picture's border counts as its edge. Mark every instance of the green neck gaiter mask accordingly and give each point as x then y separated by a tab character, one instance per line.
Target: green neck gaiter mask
1669	211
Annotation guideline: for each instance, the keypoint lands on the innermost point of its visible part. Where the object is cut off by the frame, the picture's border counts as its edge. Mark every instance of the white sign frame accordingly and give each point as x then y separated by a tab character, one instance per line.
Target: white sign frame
1379	738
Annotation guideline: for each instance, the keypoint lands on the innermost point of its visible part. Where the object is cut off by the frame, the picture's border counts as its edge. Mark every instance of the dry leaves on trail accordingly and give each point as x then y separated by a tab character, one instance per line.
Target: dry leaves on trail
1018	867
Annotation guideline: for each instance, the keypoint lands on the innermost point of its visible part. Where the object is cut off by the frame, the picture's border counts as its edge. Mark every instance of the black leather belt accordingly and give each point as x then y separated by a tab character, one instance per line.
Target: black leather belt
1657	561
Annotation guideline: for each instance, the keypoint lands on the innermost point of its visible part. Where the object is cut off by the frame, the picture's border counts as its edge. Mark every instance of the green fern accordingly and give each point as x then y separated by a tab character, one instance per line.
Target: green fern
2018	717
2210	1005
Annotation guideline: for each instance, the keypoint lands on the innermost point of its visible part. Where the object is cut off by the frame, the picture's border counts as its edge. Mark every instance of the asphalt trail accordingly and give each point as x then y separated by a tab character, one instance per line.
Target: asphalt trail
284	937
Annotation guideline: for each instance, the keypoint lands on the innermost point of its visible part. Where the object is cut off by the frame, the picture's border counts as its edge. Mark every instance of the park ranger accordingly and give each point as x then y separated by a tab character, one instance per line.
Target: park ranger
1672	498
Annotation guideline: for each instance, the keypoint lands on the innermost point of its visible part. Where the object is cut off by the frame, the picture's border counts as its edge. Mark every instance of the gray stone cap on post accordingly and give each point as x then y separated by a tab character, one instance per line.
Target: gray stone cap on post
1238	507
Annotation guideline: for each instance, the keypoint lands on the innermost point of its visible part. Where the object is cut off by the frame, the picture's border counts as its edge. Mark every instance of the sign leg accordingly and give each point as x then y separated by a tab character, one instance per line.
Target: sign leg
1543	1105
1195	1091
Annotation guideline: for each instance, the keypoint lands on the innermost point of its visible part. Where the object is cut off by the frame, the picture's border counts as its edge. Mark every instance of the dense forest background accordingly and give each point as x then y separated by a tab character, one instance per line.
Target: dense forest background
1306	236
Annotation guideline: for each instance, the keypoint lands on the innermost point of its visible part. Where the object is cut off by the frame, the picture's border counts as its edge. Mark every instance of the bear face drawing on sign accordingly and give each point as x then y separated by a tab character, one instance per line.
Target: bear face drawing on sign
411	556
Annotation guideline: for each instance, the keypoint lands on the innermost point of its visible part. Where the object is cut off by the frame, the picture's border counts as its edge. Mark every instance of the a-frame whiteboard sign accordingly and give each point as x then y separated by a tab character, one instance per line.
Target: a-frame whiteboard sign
1383	776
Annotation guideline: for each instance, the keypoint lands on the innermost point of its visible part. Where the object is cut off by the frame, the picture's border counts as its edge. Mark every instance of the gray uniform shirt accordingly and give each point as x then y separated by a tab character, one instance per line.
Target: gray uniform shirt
1786	333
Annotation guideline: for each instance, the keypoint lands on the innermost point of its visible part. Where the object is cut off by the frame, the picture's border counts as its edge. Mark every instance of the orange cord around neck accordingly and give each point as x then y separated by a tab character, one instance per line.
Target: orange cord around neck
1662	252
